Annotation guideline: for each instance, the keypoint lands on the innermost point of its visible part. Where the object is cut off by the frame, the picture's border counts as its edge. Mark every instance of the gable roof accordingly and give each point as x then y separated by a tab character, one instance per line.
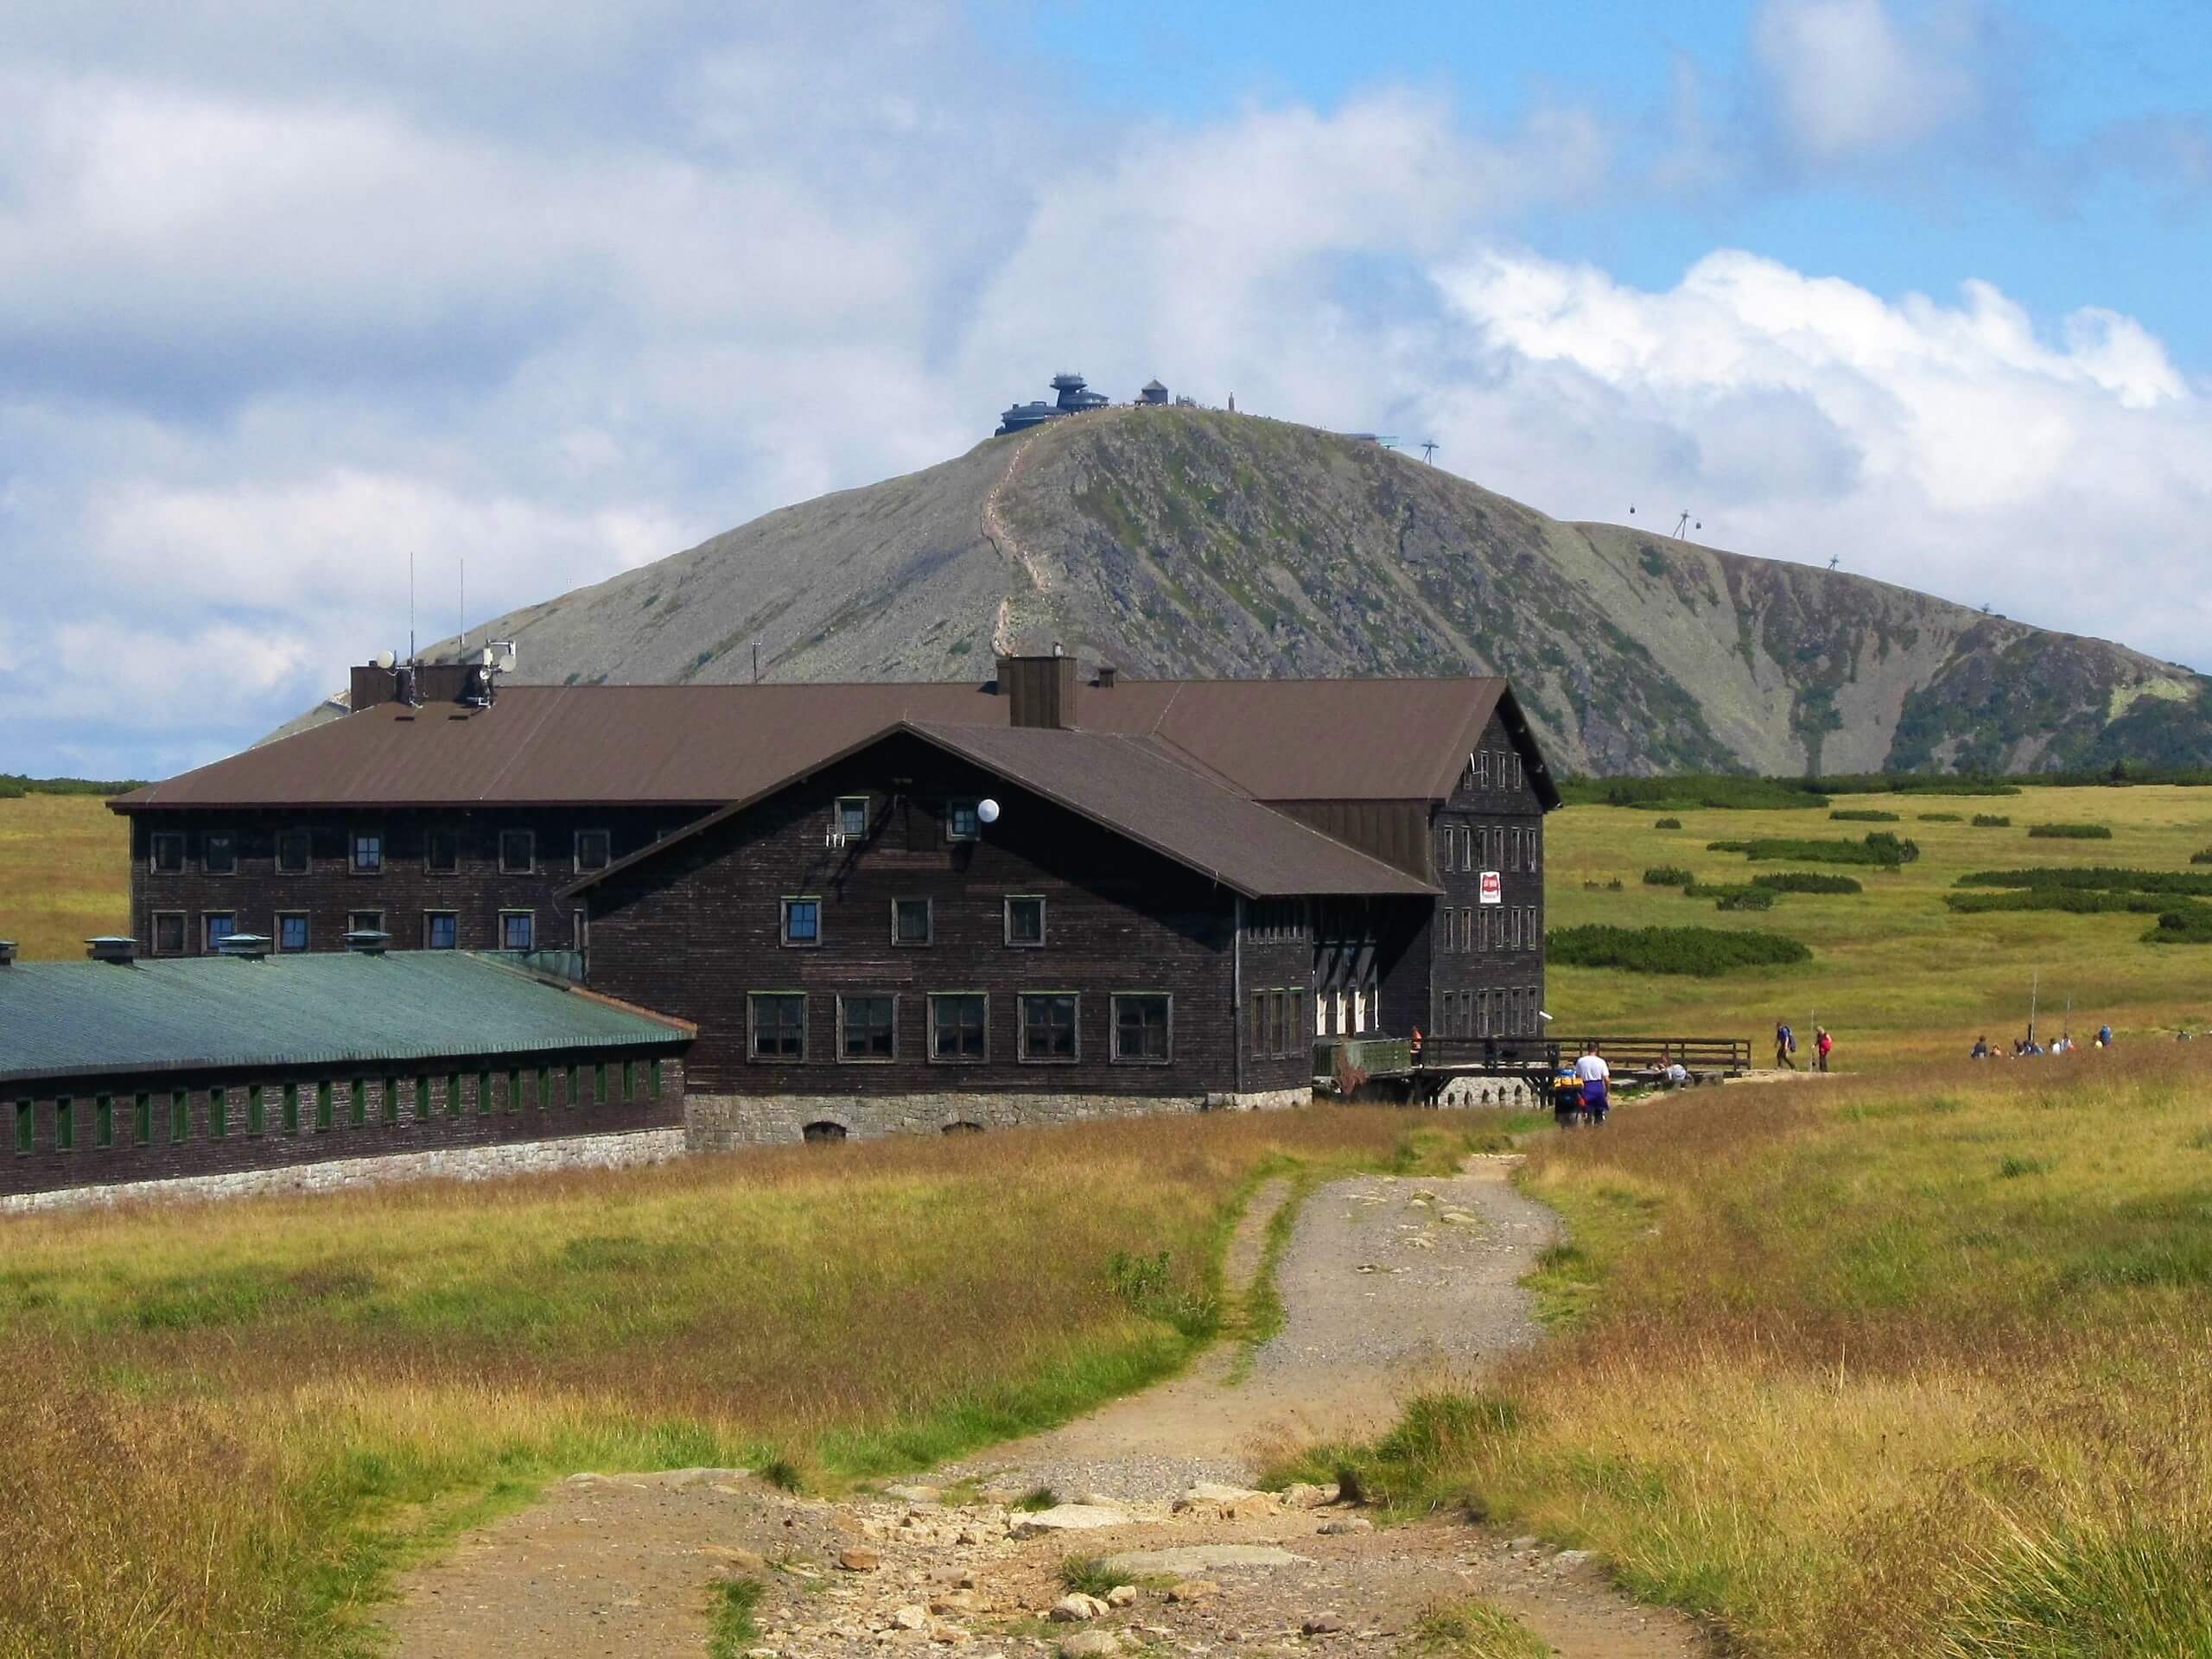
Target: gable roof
1136	786
68	1018
706	745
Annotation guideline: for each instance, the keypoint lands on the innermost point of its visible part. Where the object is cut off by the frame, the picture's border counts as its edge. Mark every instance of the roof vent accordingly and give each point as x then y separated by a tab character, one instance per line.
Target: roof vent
369	941
252	947
111	947
7	953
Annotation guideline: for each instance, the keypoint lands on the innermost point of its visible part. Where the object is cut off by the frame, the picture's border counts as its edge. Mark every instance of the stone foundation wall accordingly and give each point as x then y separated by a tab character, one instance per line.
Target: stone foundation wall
476	1163
719	1122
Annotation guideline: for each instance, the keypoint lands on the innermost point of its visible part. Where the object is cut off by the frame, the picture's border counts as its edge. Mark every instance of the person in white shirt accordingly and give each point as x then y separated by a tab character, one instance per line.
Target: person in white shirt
1596	1075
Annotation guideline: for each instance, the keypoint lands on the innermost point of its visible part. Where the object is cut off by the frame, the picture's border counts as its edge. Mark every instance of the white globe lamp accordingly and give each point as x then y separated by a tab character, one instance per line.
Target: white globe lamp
988	811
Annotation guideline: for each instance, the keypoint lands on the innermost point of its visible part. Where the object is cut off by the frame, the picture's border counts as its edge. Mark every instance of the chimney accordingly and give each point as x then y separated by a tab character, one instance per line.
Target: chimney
111	947
247	947
1107	674
7	953
368	940
1039	690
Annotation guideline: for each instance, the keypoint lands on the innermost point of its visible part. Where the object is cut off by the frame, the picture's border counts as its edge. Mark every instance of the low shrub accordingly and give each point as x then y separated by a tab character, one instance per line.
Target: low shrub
2094	876
1936	817
1881	848
2189	925
1727	846
2203	857
1990	821
2080	901
1668	824
1715	889
1807	881
1867	815
2069	832
1746	898
1702	952
1667	875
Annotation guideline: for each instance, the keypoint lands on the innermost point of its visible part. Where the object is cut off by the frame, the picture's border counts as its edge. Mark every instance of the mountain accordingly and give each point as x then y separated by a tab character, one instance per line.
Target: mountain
1188	542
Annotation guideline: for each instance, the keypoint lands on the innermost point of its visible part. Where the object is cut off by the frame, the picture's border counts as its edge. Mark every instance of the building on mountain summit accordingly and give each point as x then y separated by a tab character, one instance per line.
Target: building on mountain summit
930	906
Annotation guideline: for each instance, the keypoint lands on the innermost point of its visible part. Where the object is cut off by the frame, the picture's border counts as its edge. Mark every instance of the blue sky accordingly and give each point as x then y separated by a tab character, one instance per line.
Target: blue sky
288	294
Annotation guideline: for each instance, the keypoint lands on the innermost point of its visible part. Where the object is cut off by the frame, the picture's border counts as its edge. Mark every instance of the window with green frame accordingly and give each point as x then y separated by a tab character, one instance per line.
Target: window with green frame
219	1112
142	1120
572	1093
65	1124
514	1090
452	1094
656	1079
599	1085
422	1098
179	1115
291	1108
357	1103
26	1125
534	1089
483	1094
322	1092
390	1100
254	1121
629	1079
104	1121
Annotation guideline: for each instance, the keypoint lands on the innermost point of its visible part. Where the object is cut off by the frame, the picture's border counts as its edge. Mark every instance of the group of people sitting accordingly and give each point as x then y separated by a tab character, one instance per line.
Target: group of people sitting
2027	1047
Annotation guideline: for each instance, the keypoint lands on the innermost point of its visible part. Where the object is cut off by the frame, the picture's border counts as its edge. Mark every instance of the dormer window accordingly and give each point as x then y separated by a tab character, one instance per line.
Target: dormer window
961	823
852	815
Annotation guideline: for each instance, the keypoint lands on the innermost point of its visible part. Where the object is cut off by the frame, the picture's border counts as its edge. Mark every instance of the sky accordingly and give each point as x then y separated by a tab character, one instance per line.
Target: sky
291	296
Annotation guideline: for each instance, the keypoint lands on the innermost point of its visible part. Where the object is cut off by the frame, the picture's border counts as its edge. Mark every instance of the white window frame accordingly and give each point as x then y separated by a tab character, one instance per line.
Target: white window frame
353	840
530	852
508	913
929	918
576	851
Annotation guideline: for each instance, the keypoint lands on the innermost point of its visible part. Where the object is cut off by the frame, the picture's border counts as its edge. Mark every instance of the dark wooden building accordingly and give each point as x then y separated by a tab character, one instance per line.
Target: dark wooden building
1188	882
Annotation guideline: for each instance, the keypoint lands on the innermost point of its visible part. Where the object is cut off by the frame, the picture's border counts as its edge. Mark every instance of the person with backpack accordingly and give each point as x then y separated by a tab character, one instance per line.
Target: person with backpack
1821	1044
1785	1044
1596	1077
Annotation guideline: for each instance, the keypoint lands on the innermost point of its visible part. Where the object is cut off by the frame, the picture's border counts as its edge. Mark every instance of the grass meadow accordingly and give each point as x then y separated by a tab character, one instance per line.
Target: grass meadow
1883	1369
229	1423
64	873
1901	980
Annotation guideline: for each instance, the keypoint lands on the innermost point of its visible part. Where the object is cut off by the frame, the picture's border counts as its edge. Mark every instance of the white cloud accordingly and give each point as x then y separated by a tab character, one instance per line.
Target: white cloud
1849	83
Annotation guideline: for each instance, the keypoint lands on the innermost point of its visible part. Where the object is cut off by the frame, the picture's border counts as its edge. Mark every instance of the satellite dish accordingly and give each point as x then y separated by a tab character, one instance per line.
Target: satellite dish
507	664
988	811
383	660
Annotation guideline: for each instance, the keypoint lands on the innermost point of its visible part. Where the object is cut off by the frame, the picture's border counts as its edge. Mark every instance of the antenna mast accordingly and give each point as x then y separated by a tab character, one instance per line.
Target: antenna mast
410	605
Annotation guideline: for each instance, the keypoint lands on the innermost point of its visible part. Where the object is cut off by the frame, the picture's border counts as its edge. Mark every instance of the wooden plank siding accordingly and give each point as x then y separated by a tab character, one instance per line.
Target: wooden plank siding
1473	983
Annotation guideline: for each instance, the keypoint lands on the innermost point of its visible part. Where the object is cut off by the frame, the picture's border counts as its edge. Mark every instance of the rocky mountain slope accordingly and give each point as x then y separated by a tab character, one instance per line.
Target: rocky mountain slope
1186	542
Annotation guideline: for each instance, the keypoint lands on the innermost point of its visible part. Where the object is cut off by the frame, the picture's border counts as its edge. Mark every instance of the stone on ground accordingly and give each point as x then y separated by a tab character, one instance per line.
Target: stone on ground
1188	1561
1076	1608
1068	1517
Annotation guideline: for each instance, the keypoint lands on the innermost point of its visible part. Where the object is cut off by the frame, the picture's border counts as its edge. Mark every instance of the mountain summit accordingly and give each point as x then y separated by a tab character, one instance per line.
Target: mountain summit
1177	542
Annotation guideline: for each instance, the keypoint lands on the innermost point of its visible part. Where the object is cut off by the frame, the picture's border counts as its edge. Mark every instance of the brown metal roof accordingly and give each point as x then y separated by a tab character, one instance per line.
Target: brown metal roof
1137	787
1275	740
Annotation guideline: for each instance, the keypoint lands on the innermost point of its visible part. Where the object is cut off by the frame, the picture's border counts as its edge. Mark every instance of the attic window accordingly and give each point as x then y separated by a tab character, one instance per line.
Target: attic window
293	848
1024	922
219	854
441	850
593	848
167	854
961	823
852	815
368	852
803	921
517	852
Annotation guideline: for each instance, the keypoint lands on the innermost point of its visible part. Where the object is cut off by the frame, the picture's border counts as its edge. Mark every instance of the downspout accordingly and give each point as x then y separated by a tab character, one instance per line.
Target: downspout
1237	1032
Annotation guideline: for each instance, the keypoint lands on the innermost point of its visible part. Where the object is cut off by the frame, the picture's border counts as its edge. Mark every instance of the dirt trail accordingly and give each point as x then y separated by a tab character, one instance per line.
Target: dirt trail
1387	1282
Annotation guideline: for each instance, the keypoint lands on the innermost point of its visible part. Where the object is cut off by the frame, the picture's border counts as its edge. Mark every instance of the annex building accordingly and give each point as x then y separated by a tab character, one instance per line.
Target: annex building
931	906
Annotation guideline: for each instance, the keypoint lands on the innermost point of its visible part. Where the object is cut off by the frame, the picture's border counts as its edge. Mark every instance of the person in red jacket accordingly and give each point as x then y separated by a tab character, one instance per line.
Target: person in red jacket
1821	1044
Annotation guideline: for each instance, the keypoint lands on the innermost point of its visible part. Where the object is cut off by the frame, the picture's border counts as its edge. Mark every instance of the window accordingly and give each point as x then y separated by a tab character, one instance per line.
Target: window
595	849
291	929
778	1021
26	1125
599	1085
1140	1028
442	849
1025	921
1298	1018
218	854
368	852
421	1099
166	854
322	1106
179	1115
441	930
483	1094
452	1094
573	1095
389	1095
291	1108
517	852
169	933
216	925
1255	1024
959	1026
866	1027
1048	1035
909	921
960	822
852	815
65	1124
293	849
365	921
1536	847
254	1121
514	1090
357	1101
629	1079
517	929
104	1121
142	1120
1279	1031
655	1075
219	1112
802	921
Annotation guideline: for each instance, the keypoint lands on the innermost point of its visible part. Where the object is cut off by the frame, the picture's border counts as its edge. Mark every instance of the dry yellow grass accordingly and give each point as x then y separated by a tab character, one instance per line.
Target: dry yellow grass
64	873
229	1422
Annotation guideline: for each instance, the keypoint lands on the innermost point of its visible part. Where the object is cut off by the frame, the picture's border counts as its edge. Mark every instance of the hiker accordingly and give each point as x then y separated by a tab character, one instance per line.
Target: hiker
1821	1044
1595	1075
1785	1044
1981	1048
2064	1045
1676	1074
2104	1036
1416	1045
1566	1095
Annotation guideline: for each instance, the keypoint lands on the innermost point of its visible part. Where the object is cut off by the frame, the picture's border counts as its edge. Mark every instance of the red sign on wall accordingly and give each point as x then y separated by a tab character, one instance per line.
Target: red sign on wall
1493	890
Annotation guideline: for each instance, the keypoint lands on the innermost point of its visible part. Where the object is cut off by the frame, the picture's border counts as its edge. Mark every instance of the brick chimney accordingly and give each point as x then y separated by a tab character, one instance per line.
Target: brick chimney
1039	690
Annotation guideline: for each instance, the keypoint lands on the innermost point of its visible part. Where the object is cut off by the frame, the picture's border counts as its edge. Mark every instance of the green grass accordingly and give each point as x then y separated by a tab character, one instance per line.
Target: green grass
1471	1628
64	873
733	1631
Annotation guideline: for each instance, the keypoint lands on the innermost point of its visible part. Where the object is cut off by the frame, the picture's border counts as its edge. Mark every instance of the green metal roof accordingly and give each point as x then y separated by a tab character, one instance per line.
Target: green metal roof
67	1019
